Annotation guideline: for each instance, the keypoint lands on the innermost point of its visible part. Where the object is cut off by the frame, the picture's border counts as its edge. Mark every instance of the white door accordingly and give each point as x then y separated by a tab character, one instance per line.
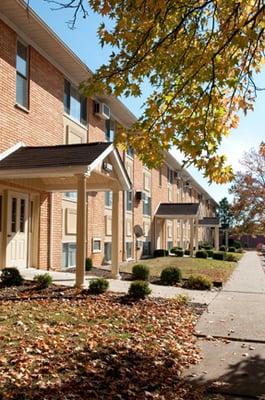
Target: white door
17	230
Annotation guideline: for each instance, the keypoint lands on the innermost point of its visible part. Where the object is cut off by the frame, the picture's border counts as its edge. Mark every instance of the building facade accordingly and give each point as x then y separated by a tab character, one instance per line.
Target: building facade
40	106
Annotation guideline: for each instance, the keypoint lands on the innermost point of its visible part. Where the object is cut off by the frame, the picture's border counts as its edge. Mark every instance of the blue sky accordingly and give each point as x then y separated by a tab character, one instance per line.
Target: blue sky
83	41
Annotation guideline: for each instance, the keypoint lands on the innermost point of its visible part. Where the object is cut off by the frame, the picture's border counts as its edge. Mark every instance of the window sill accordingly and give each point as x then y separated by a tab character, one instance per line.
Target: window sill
75	121
69	199
20	107
96	251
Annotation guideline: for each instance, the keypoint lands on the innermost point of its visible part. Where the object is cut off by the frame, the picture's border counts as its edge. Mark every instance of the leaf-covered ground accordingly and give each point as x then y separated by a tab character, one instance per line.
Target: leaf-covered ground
95	348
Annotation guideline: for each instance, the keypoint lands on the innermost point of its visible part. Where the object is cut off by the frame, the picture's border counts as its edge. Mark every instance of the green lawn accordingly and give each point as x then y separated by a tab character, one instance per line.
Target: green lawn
215	270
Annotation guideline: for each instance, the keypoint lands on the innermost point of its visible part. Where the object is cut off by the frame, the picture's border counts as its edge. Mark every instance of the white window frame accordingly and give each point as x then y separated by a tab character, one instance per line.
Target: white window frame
96	239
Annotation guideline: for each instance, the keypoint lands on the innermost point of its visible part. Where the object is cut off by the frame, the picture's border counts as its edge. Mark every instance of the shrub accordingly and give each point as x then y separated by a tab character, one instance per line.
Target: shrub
239	251
187	252
198	283
171	275
222	248
43	280
161	253
11	277
237	244
89	264
219	255
182	299
140	272
178	252
231	249
231	257
209	253
98	285
201	254
139	290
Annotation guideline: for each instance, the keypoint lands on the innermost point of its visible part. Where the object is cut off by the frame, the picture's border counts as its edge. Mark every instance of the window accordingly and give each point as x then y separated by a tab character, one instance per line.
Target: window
22	216
14	215
96	246
130	152
146	249
109	130
108	199
146	204
22	75
169	244
107	252
129	200
129	248
71	195
160	177
170	175
75	104
69	255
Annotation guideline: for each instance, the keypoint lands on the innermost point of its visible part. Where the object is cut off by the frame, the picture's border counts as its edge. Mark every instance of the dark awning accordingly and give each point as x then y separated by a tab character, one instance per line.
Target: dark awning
177	210
209	221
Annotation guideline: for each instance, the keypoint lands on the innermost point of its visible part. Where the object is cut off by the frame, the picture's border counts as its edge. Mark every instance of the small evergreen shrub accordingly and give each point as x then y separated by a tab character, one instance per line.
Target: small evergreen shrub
187	252
139	290
237	244
198	283
239	251
222	248
209	253
231	249
171	276
11	277
201	254
178	252
98	285
140	272
89	264
219	255
43	280
161	253
231	257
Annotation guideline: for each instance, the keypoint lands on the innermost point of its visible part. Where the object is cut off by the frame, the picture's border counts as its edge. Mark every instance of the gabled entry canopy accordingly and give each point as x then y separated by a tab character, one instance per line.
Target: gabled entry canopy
209	221
54	168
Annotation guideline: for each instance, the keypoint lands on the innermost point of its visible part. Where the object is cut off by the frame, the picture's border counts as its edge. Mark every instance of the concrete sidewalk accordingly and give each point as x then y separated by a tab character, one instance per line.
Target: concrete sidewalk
237	362
68	279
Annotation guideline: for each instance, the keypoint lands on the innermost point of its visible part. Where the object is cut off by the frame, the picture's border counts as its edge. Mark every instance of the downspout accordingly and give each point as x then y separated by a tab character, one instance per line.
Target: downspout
50	264
123	219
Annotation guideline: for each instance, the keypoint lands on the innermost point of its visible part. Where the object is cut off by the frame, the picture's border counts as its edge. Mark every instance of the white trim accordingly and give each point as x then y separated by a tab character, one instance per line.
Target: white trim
100	242
11	150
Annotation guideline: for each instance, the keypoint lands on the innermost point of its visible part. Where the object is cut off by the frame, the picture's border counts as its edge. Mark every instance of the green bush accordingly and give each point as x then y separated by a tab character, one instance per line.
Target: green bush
231	257
222	248
140	272
187	252
89	264
237	244
219	255
171	275
198	283
43	280
178	252
239	251
11	277
139	290
209	253
161	253
201	254
231	249
98	285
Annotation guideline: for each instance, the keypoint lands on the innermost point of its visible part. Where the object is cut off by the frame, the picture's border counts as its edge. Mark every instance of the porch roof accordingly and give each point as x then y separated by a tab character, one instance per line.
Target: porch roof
54	168
209	221
178	210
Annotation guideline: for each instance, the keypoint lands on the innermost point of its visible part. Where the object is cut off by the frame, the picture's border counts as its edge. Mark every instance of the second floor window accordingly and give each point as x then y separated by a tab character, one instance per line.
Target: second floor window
146	205
75	104
109	130
22	75
170	176
130	152
129	200
108	199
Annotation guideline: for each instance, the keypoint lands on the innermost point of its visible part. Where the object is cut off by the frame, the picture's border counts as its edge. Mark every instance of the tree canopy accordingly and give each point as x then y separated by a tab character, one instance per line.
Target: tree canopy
200	58
224	213
249	192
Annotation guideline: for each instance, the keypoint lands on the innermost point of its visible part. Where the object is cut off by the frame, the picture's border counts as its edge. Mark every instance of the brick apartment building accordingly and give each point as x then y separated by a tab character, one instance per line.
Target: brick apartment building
62	182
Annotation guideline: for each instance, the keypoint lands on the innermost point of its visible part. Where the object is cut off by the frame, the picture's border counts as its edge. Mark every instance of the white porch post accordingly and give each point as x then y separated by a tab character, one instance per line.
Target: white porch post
81	232
181	234
115	236
196	236
191	236
216	238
